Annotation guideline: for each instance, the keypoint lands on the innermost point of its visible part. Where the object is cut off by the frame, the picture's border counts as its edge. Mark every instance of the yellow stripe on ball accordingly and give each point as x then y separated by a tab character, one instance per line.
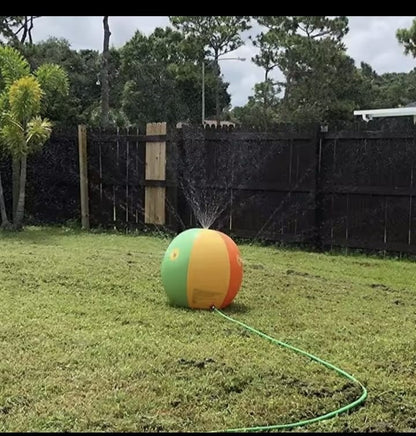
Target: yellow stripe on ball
208	272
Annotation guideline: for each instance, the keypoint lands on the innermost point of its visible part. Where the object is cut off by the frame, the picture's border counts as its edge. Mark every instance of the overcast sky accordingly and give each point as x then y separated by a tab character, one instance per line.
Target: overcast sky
371	39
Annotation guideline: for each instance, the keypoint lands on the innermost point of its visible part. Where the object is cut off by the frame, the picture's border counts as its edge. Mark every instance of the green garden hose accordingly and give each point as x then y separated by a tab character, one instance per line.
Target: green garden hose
311	356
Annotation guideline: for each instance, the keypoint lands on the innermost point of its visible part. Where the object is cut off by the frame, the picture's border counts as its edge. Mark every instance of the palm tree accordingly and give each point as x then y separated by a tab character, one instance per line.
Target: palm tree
22	130
5	223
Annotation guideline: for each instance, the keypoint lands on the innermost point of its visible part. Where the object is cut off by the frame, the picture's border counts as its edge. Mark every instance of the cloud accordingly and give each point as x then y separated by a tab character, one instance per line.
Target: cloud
371	39
86	32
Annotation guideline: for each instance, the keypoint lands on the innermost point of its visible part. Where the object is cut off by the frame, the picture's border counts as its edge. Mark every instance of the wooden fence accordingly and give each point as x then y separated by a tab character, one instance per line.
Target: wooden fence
52	187
346	188
128	183
367	186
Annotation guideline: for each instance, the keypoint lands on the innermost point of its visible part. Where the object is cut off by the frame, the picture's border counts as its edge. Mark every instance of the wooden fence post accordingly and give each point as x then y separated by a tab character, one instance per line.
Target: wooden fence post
83	176
318	194
155	176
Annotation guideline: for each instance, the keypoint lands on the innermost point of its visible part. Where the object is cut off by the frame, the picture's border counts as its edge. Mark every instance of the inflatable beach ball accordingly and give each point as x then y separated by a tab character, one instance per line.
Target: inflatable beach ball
202	268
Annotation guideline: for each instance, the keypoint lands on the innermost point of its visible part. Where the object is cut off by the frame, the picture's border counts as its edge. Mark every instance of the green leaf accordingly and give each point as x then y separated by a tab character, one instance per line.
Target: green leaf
53	79
407	37
12	135
13	66
217	34
24	98
37	133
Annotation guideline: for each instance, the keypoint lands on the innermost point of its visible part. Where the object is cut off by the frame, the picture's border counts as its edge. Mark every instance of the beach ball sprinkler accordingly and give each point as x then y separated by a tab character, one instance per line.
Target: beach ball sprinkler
202	268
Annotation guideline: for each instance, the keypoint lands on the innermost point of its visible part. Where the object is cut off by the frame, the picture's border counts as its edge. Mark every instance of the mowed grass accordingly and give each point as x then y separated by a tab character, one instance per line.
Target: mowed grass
89	343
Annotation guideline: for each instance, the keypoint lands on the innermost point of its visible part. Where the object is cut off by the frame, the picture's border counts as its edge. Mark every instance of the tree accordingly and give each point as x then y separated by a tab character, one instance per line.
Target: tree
22	130
104	74
306	49
296	41
148	66
407	37
26	28
83	70
263	113
268	58
386	90
12	67
8	25
256	114
14	27
327	93
218	35
162	78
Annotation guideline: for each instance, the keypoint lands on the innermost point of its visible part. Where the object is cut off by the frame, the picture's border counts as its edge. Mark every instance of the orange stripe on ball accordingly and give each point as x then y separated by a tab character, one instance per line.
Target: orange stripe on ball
236	269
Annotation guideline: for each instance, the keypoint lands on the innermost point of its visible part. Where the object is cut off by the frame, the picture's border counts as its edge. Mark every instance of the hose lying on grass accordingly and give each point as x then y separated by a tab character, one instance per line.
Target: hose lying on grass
311	356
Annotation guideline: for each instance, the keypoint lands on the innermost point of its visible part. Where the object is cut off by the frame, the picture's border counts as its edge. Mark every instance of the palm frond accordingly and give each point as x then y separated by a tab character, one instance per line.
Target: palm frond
13	66
12	135
24	98
53	79
4	105
37	133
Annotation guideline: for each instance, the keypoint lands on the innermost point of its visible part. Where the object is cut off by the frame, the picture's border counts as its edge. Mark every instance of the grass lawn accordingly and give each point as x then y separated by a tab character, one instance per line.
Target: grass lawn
88	342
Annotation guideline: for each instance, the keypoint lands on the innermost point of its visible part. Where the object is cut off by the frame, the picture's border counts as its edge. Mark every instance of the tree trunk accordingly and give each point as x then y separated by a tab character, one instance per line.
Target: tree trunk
16	165
18	222
287	87
266	76
288	73
265	90
105	90
30	30
4	220
25	29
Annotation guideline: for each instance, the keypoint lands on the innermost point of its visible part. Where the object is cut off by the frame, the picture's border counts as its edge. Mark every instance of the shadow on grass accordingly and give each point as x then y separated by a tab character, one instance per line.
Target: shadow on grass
232	309
235	309
38	234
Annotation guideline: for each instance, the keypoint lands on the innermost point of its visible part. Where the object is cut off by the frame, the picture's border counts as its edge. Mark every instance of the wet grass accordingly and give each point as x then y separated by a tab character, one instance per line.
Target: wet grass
88	342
